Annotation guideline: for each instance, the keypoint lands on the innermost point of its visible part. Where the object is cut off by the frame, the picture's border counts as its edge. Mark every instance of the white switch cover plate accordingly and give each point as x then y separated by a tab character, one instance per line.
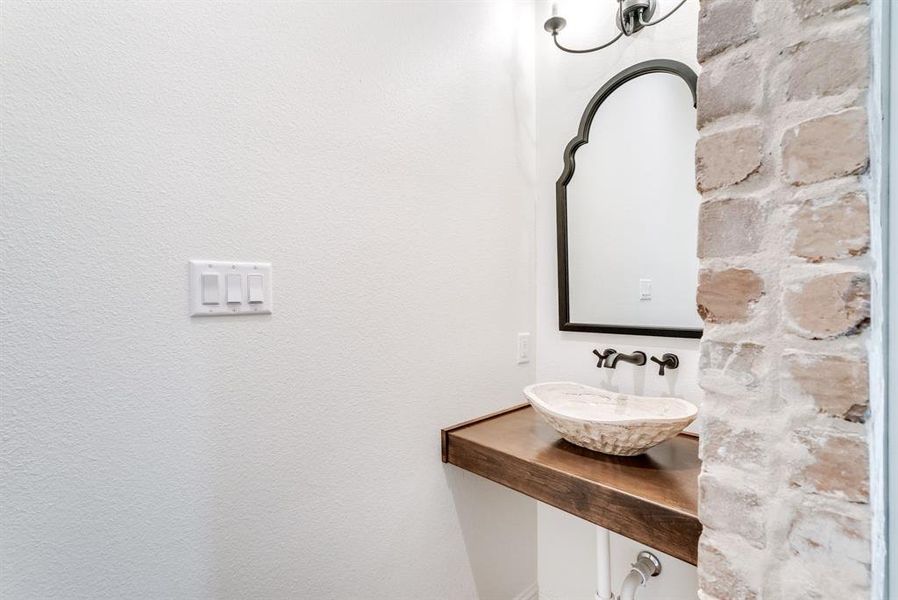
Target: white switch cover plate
227	288
523	348
645	289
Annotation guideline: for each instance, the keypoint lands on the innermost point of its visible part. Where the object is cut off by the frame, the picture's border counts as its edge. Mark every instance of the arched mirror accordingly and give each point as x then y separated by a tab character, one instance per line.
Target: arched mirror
627	208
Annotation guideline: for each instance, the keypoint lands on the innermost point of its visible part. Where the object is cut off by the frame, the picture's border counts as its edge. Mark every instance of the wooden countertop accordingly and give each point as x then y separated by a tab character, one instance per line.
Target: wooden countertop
652	498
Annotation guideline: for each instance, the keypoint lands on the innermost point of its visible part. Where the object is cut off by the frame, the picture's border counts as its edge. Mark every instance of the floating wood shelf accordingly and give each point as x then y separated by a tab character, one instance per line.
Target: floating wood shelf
652	498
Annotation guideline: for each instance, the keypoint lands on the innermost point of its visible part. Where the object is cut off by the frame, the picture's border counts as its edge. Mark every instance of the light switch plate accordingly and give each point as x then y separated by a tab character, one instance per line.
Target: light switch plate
229	306
645	289
523	348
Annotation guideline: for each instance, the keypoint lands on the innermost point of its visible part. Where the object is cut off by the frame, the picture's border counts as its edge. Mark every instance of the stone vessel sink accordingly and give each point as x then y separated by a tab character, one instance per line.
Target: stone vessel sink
609	422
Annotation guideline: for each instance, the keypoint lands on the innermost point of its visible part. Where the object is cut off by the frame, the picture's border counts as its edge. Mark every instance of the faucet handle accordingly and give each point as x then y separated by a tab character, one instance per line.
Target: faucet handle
668	360
603	356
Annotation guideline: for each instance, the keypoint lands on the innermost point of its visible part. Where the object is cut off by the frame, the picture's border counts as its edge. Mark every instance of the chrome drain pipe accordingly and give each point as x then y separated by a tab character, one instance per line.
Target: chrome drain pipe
647	565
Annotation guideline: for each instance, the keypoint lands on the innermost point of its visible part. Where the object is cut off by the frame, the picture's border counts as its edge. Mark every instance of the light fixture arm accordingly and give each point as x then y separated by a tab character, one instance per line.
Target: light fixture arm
637	15
585	50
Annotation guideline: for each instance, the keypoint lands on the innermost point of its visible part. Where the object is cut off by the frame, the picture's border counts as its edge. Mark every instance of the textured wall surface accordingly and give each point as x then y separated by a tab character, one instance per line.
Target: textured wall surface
378	155
565	83
785	291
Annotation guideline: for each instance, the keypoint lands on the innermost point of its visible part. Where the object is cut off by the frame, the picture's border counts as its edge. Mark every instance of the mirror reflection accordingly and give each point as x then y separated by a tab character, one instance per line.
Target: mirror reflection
632	210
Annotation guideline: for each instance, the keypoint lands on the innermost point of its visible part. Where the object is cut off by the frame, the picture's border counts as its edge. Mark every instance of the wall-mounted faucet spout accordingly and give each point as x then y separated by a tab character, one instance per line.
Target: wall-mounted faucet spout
637	358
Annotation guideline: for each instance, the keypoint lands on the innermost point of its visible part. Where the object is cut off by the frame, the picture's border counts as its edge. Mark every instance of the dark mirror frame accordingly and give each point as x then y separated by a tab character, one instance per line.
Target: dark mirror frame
564	312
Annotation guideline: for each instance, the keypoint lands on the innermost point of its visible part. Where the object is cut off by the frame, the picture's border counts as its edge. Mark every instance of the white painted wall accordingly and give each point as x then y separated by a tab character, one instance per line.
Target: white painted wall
567	562
565	84
379	155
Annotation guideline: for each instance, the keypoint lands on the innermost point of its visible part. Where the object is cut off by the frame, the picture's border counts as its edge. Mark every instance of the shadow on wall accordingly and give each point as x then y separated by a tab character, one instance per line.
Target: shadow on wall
493	520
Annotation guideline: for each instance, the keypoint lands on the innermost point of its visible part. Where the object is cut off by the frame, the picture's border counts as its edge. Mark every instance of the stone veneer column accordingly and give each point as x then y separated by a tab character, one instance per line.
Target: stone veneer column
784	291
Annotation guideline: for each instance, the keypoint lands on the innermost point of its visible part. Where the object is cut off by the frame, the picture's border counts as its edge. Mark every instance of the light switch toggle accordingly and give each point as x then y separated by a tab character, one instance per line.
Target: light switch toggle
255	289
210	288
235	289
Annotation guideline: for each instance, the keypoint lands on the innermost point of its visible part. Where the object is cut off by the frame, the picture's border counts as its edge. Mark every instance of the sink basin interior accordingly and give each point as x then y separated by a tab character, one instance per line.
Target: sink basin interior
581	402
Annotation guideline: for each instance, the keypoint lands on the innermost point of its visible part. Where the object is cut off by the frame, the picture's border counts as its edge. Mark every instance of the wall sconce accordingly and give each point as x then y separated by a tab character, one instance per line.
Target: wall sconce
632	16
